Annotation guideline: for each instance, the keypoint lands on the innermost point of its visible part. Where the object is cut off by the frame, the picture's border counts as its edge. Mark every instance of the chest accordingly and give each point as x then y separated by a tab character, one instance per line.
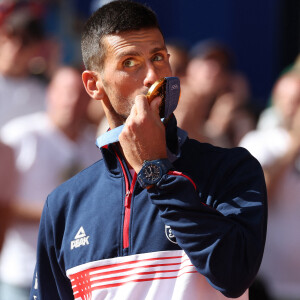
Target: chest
102	225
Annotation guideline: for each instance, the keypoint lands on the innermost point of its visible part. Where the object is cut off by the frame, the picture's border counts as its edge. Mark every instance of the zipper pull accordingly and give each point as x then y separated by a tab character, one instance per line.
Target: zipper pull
127	198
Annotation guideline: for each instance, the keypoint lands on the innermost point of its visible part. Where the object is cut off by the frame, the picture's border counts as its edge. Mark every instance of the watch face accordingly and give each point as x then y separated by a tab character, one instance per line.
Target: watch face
152	173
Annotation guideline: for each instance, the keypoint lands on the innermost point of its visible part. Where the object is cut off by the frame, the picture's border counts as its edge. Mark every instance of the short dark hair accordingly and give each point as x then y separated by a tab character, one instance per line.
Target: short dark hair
21	21
114	17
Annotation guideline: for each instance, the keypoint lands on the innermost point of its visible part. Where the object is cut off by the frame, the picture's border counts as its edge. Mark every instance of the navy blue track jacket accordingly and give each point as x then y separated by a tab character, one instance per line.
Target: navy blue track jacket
104	237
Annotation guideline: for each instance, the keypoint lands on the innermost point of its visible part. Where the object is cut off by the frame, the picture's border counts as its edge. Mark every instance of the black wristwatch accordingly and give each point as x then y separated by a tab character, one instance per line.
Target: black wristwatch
152	171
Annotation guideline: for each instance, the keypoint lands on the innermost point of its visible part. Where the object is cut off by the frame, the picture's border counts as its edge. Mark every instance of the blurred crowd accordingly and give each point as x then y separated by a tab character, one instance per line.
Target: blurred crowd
48	126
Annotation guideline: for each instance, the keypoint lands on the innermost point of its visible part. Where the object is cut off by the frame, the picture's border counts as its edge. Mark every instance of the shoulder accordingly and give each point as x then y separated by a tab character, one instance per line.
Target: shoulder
264	137
23	126
72	191
209	152
266	145
29	88
254	137
217	161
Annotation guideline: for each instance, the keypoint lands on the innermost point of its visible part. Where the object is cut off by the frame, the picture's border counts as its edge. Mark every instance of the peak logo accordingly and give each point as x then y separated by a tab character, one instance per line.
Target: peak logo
80	239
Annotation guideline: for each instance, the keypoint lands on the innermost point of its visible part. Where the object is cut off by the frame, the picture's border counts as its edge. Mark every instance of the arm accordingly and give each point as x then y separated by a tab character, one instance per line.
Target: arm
27	213
7	188
5	218
225	239
49	280
11	173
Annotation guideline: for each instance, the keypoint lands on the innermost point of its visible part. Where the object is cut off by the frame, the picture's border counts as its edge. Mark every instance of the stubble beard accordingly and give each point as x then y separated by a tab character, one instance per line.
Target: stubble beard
121	107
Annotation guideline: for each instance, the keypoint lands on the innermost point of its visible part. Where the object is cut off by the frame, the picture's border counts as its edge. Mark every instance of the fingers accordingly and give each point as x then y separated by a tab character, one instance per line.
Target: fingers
137	145
141	106
143	115
141	103
154	105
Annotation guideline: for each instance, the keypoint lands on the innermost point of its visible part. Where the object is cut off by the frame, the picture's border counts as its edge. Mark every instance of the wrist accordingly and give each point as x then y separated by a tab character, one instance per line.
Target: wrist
152	172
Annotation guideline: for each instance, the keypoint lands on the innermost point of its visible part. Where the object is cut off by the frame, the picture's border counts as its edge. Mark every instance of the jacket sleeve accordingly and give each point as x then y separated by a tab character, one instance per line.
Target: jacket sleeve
49	279
222	231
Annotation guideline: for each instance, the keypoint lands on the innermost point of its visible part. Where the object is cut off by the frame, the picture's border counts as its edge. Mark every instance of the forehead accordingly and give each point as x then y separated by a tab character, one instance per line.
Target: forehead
142	41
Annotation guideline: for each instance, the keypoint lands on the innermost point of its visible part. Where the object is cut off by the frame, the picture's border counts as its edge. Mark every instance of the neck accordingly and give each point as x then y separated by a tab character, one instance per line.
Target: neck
114	120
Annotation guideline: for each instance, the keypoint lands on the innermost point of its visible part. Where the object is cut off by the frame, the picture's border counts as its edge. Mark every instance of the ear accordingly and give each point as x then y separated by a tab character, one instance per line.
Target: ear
93	85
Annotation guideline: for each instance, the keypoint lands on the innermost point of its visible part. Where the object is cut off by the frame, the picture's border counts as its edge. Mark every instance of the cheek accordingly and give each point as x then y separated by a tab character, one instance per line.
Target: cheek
168	70
126	86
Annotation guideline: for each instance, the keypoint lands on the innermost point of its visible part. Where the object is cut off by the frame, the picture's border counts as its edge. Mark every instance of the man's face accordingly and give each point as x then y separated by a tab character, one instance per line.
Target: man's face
15	56
287	98
67	99
134	60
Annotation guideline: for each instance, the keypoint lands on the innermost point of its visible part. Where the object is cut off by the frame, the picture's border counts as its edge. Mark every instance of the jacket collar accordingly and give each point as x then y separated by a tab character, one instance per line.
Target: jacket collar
175	138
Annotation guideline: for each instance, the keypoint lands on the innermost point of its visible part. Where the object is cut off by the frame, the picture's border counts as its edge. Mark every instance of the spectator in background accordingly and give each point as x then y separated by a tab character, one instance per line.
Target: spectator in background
21	36
7	187
49	148
179	58
231	115
205	78
281	107
213	96
278	150
230	118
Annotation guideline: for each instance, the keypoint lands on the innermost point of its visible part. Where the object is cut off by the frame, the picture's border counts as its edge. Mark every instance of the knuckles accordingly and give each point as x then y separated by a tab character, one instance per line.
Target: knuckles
140	121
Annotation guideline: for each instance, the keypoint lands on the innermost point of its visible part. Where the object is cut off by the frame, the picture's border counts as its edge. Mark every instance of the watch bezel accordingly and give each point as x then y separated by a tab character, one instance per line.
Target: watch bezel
157	174
162	166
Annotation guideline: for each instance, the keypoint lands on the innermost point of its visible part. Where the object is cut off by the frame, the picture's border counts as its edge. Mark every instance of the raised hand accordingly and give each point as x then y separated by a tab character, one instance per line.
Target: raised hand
143	136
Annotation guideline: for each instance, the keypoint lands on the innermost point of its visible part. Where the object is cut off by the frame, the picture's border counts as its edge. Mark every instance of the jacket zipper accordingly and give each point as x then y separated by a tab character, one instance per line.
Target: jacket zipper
127	203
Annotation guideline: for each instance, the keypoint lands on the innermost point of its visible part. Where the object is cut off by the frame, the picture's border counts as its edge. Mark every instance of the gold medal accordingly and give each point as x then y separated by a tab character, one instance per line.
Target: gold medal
158	89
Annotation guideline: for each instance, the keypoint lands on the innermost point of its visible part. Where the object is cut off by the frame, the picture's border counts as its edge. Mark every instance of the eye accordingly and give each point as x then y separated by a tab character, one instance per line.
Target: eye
129	63
157	57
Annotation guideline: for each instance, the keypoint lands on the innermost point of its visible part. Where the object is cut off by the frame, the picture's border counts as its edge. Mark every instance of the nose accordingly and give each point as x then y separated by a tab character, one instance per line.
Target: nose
151	75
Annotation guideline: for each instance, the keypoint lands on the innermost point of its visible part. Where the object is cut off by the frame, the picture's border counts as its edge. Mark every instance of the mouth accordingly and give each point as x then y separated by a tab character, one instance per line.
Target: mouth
145	92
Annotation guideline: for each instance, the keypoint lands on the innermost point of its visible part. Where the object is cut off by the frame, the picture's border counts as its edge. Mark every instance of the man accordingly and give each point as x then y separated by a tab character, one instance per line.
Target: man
179	58
278	151
21	38
212	107
49	147
108	233
284	105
